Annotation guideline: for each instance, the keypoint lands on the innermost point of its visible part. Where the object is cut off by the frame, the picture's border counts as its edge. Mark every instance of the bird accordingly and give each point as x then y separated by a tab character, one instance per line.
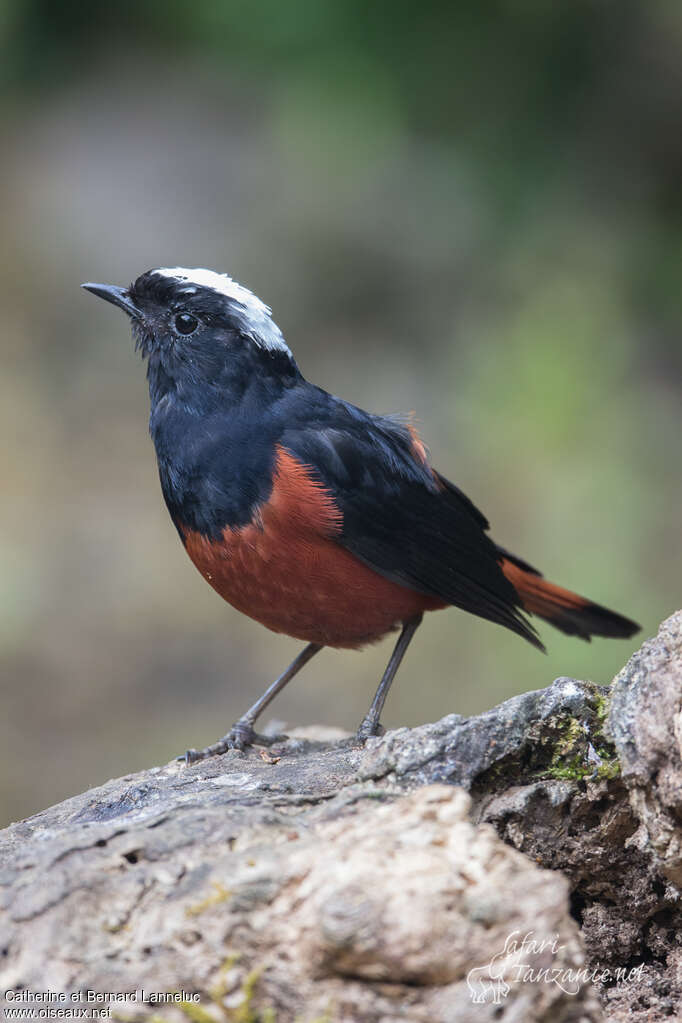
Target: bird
310	515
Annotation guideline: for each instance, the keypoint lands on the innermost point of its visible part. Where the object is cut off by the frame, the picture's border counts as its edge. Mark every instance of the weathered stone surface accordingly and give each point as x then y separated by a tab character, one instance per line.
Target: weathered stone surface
323	878
646	724
369	909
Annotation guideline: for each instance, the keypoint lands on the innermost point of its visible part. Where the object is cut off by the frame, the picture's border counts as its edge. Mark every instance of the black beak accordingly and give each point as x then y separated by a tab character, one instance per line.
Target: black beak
117	296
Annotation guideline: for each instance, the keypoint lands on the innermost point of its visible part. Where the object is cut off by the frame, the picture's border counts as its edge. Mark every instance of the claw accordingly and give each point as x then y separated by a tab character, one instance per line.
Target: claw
240	735
367	729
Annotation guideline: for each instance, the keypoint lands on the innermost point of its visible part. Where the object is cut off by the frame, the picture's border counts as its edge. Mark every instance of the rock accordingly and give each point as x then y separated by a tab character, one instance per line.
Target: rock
331	882
384	910
646	724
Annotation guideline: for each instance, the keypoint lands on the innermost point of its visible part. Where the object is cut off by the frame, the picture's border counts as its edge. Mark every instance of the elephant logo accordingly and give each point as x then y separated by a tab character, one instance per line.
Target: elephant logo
485	985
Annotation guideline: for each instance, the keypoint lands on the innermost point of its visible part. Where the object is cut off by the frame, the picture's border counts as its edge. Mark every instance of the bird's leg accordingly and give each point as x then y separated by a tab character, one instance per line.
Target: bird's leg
370	723
242	734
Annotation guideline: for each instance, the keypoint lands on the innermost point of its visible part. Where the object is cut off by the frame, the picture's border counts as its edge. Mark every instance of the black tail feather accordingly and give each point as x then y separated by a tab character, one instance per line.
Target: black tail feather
566	611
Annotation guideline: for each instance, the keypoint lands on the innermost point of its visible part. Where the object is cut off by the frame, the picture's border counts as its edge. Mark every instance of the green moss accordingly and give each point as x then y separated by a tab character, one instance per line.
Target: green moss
245	1013
221	894
561	747
602	705
570	736
221	987
196	1014
609	768
570	740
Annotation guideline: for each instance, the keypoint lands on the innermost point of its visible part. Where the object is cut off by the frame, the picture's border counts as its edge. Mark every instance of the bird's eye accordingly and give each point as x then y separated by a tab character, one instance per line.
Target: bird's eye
185	323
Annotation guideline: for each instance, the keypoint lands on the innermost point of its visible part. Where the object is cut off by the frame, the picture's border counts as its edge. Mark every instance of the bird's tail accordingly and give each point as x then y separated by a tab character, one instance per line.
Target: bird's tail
575	615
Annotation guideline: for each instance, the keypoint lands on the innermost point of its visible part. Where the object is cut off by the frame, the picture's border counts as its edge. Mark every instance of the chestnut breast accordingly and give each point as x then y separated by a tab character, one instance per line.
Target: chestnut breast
287	570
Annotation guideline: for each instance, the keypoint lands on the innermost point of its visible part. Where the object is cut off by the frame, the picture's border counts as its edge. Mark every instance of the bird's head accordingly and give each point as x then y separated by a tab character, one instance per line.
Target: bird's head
198	327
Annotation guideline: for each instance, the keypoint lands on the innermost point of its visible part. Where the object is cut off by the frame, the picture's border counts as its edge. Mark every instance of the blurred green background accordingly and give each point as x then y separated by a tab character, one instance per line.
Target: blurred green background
469	210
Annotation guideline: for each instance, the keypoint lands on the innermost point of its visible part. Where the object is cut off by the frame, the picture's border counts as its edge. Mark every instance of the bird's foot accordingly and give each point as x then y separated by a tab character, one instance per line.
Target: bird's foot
367	729
239	736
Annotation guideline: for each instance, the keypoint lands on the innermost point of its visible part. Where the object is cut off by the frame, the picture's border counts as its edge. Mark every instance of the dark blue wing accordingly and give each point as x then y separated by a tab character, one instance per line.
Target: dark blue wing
400	517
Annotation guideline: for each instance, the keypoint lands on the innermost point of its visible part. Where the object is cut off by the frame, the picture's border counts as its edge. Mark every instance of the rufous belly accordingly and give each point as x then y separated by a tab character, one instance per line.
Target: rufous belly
288	572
